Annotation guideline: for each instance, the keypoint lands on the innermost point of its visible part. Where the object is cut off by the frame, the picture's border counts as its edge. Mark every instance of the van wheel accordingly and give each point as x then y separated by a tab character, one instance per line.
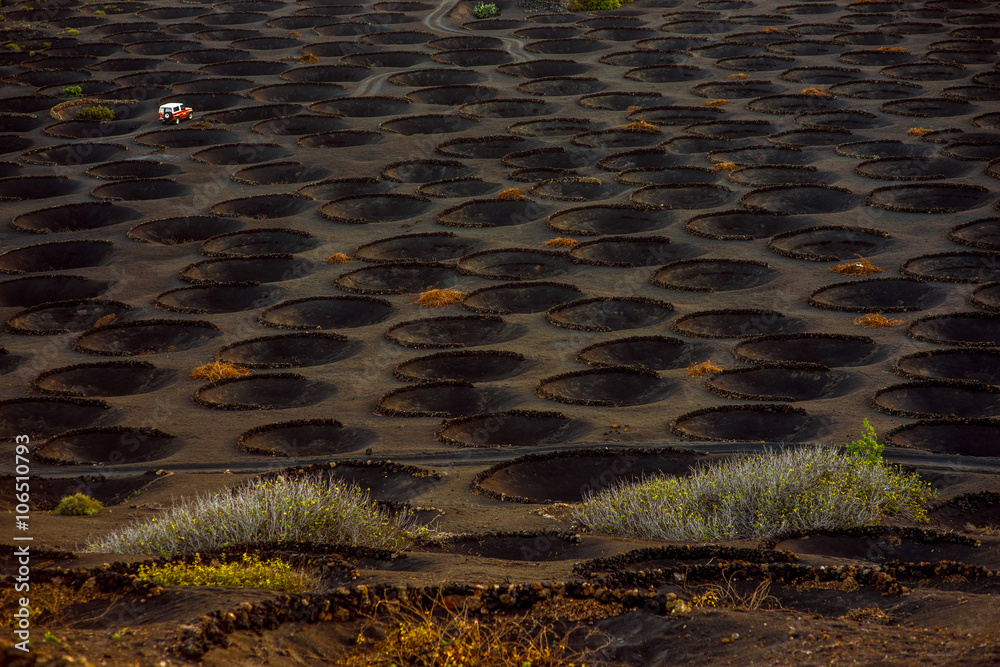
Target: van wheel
177	120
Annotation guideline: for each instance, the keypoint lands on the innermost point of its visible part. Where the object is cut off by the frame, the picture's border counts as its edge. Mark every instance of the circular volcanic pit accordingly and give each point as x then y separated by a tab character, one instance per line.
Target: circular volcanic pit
363	107
969	266
492	213
713	275
513	428
971	437
435	76
983	233
306	437
279	173
800	199
630	251
764	175
443	399
398	278
327	312
59	317
172	231
830	243
46	416
877	89
453	331
307	91
265	391
655	352
666	175
612	386
608	219
526	297
19	188
374	208
831	350
263	206
215	299
742	225
260	241
425	171
288	350
473	57
949	399
928	107
939	198
427	124
297	125
795	104
610	314
426	246
569	476
562	86
126	169
252	269
465	366
184	138
517	107
73	129
57	256
971	329
109	445
515	264
882	148
240	153
110	378
736	323
47	493
746	423
341	139
953	364
777	384
36	290
472	186
912	168
335	188
987	297
682	196
891	295
140	189
384	480
141	337
883	544
71	155
488	147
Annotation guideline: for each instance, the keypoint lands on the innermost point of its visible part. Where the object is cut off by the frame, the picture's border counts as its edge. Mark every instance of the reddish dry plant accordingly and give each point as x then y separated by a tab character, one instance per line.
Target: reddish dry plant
861	267
771	30
107	319
308	59
699	369
816	92
640	126
725	166
918	131
876	321
218	370
890	49
715	103
738	76
512	193
560	242
633	107
338	258
438	298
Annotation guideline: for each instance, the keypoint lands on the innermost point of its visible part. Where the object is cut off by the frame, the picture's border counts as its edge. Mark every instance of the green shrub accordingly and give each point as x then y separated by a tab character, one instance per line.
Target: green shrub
97	113
78	505
594	5
759	495
282	509
483	10
867	447
249	572
73	91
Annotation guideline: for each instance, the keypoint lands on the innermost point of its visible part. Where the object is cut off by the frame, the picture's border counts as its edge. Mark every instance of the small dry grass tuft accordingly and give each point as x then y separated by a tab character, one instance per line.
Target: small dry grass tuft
293	34
438	298
816	92
727	595
307	59
107	319
876	321
633	107
715	103
868	615
50	602
560	242
771	30
512	193
700	369
891	49
640	126
861	267
443	636
574	610
739	75
201	125
338	258
725	166
918	131
217	370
